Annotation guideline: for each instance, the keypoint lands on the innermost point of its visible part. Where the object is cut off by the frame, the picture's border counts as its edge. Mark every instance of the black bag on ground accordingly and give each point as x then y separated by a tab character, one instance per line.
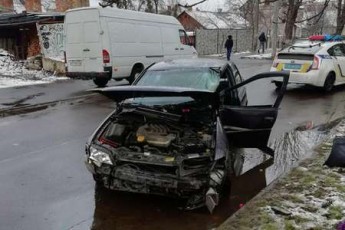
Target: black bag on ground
337	156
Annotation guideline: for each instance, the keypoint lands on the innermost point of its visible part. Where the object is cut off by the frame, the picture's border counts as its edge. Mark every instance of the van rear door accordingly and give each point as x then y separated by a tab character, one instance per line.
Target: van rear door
83	41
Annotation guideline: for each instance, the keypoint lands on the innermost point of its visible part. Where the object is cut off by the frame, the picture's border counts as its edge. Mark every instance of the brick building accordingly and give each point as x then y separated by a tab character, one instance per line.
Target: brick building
18	23
63	5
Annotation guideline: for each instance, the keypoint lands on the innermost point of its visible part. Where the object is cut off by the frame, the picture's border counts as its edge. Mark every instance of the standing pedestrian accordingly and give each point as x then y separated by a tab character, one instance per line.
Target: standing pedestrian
262	39
228	45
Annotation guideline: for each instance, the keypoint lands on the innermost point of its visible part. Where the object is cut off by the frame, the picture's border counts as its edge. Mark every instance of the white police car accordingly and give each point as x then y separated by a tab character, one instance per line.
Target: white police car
320	64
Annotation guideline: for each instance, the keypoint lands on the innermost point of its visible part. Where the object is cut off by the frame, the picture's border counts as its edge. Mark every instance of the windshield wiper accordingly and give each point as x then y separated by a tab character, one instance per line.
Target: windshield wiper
215	69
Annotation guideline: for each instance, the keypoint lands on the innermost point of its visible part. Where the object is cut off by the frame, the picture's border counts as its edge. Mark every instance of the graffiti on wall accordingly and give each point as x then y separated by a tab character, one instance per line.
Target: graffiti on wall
51	40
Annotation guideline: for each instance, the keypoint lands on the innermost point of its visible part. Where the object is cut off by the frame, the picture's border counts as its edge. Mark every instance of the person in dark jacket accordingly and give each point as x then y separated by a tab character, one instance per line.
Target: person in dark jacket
262	39
228	45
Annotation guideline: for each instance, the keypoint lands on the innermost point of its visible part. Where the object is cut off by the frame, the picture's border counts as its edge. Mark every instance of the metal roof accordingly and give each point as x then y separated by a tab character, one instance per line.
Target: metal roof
14	19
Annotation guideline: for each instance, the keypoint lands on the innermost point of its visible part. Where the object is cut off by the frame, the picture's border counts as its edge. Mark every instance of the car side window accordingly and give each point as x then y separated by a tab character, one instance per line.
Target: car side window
336	50
342	47
238	77
231	96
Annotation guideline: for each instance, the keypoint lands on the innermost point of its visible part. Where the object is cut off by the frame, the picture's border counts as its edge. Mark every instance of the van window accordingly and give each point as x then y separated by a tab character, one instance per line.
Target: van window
183	37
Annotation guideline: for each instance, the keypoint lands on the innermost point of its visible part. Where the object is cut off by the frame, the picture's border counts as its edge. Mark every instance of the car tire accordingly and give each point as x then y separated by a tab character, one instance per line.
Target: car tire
278	84
329	83
101	82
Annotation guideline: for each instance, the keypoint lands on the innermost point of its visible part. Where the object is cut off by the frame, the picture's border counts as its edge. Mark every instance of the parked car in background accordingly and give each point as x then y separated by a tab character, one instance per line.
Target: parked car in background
171	131
316	63
105	43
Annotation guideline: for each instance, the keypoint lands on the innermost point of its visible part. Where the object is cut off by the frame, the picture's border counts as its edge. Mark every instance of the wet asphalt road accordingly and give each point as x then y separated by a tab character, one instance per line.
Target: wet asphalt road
45	185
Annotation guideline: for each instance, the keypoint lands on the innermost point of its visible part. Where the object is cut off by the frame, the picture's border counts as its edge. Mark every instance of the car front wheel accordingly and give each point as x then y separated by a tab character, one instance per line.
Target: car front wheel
329	82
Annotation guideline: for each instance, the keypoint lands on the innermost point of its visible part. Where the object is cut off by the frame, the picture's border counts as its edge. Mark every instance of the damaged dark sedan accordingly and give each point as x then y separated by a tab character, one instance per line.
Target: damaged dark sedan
171	131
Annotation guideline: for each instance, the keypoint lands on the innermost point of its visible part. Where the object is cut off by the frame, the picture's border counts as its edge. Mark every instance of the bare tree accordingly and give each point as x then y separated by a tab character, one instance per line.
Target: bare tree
187	5
293	7
126	4
340	16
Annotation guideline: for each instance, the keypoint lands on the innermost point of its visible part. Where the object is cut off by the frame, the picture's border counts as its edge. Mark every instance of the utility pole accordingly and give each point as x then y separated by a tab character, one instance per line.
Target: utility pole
275	27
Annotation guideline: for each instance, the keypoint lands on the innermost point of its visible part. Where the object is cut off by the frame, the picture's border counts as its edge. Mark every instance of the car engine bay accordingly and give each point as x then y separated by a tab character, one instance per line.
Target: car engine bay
157	153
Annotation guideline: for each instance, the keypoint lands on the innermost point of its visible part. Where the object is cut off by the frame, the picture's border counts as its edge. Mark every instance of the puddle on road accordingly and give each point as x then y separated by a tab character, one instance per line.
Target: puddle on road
20	102
119	210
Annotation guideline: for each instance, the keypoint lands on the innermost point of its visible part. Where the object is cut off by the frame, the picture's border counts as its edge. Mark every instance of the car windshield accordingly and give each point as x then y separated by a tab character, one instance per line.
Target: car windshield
201	78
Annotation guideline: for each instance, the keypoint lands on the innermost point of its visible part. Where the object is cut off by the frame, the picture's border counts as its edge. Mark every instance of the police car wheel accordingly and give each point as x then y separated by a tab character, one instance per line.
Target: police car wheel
329	83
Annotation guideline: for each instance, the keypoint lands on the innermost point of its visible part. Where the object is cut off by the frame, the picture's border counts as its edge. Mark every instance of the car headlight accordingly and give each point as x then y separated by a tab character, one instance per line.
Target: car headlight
99	157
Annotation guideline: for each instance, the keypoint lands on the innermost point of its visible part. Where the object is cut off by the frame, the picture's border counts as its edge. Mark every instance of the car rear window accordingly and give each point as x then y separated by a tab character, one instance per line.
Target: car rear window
296	56
300	51
201	78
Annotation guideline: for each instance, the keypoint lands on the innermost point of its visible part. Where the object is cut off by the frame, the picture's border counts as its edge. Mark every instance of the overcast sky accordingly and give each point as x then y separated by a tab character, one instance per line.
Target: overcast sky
209	5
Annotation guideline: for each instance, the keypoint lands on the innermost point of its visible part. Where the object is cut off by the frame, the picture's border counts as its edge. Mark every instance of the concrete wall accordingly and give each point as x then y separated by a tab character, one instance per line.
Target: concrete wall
51	40
56	66
212	41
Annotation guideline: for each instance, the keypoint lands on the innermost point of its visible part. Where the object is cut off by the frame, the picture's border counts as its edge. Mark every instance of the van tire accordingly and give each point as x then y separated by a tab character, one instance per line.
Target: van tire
329	83
100	82
135	72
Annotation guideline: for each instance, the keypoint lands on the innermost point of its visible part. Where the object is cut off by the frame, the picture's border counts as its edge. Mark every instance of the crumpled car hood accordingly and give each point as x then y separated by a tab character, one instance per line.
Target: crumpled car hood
120	93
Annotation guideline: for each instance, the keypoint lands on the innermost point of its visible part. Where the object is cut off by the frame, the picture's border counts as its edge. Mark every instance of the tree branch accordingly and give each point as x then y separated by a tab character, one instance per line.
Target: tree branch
186	5
105	4
319	15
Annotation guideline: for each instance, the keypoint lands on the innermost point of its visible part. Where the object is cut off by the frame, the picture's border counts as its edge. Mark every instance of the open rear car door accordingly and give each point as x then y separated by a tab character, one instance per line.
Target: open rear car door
250	126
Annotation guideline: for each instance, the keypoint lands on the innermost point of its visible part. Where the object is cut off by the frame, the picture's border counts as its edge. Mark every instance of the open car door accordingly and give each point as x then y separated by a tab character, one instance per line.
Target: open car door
250	126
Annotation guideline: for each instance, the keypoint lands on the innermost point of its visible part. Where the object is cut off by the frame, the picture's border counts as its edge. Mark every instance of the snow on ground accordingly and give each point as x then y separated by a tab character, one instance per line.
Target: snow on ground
311	196
259	56
224	54
14	74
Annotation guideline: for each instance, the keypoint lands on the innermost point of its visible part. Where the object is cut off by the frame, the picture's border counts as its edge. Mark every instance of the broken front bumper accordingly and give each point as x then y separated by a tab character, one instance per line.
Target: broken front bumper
131	179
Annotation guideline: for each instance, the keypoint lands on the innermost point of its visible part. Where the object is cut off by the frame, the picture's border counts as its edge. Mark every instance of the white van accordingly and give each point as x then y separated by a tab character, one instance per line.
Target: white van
105	43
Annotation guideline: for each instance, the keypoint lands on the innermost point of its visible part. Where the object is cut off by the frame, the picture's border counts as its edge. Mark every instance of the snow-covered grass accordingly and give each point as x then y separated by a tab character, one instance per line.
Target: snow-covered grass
13	73
311	196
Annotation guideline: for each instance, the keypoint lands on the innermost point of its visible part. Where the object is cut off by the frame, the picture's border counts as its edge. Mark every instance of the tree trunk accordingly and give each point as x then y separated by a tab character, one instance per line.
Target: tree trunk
291	18
275	27
340	17
156	5
255	24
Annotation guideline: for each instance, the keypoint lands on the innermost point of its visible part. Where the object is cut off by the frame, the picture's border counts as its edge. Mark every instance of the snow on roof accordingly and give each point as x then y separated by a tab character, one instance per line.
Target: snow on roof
215	20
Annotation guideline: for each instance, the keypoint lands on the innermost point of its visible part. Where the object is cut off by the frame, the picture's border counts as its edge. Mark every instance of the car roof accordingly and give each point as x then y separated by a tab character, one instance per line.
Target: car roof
309	47
189	63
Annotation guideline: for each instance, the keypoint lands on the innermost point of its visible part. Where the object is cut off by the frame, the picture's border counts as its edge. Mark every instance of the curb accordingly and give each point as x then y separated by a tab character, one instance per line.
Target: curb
258	58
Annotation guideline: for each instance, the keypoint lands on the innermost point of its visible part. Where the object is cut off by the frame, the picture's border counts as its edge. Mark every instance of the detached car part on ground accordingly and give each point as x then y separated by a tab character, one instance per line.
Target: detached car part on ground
176	150
312	63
